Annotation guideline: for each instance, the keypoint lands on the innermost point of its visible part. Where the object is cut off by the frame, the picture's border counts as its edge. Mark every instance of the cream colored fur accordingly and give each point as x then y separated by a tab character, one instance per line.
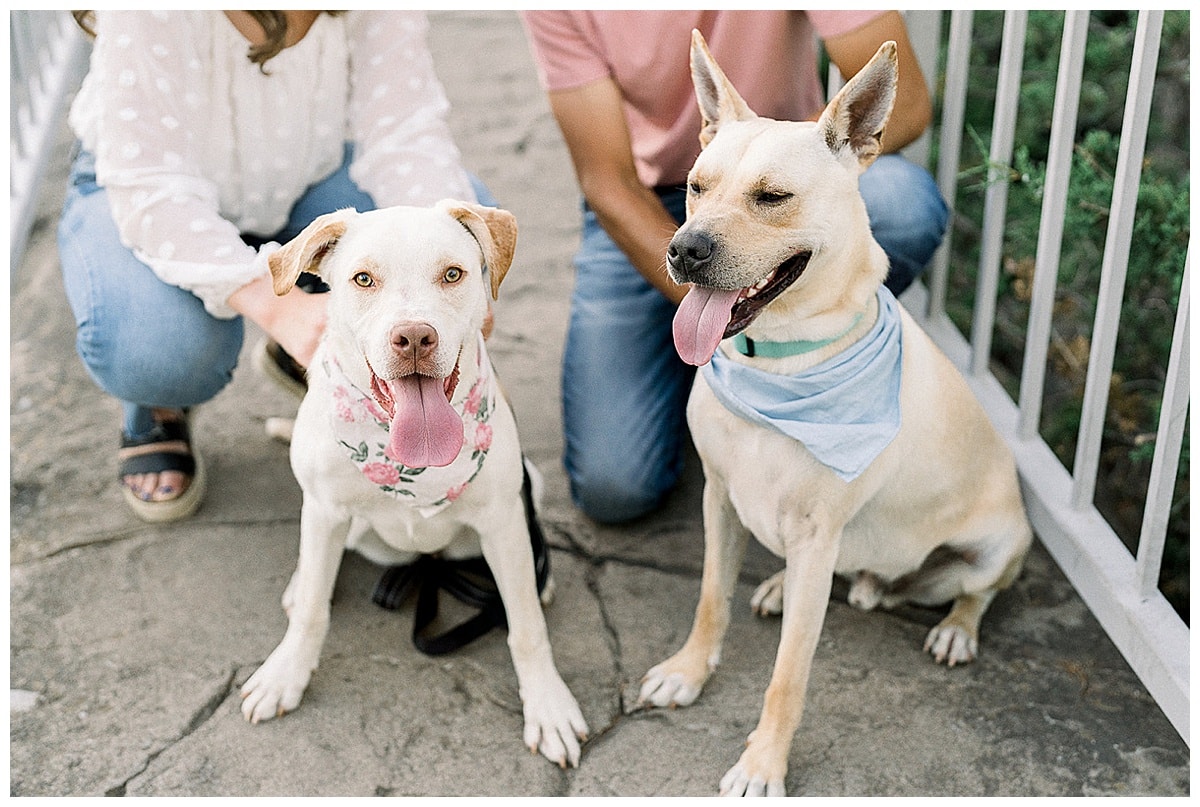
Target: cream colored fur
936	518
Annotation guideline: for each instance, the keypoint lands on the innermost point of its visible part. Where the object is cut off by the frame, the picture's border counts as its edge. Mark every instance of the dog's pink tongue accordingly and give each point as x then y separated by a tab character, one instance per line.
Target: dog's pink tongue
700	323
425	429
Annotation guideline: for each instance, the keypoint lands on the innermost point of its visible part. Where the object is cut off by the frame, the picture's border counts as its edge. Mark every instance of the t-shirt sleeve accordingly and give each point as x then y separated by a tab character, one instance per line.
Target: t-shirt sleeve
835	23
564	54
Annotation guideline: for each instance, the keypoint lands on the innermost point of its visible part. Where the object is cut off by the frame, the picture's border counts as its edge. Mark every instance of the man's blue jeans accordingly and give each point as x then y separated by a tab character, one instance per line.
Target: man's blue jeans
624	388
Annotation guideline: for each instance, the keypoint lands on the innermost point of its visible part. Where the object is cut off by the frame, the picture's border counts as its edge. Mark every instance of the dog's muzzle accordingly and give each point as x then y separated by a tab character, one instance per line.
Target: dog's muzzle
690	258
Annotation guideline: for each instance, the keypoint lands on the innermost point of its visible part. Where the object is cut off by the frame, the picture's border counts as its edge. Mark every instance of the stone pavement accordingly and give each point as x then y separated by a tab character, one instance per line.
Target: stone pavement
129	641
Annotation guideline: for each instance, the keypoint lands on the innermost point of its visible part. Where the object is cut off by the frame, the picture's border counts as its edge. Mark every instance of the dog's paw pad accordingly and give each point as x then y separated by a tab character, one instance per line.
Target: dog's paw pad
951	644
767	599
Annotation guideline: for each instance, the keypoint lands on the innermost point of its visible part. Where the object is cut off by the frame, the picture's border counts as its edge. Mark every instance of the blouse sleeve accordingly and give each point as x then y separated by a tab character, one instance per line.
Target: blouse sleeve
142	72
404	152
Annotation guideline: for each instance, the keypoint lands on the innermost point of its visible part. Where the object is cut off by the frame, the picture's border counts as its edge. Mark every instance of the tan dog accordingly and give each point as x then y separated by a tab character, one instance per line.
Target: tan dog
778	249
404	443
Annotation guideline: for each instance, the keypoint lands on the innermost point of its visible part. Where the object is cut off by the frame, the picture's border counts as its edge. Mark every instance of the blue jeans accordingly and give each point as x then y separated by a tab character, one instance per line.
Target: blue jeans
145	342
625	389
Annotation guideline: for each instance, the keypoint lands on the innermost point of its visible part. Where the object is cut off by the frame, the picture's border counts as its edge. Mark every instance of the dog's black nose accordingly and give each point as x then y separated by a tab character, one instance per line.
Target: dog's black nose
690	252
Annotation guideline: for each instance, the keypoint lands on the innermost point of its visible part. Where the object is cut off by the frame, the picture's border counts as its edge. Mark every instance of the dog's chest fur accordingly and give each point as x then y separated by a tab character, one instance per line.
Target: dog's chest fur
325	471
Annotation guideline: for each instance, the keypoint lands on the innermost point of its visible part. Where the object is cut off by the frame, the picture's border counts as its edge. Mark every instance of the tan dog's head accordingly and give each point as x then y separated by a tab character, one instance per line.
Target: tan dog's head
774	213
409	288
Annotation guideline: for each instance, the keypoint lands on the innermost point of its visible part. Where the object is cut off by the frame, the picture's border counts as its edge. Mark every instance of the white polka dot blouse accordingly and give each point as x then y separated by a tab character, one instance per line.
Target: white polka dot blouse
195	145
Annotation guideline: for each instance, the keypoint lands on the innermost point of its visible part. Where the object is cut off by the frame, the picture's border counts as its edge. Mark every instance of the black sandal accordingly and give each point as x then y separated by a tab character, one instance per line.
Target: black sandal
278	365
153	460
469	581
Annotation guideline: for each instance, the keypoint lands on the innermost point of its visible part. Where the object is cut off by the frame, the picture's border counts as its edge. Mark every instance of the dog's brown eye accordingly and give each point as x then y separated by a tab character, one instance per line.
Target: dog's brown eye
364	280
452	275
772	197
694	188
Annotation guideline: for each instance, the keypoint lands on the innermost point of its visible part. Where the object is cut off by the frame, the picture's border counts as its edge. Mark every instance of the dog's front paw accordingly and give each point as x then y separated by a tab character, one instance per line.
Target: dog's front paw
755	774
952	644
275	688
676	682
767	599
554	725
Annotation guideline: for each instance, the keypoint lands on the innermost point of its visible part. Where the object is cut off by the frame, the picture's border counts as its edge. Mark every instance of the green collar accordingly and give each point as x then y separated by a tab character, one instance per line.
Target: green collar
781	350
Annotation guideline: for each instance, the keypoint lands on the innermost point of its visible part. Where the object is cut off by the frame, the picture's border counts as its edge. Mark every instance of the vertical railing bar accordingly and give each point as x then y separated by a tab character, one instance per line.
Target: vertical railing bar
61	64
1168	443
925	34
39	37
18	42
16	89
1008	88
1116	255
833	81
1050	233
954	101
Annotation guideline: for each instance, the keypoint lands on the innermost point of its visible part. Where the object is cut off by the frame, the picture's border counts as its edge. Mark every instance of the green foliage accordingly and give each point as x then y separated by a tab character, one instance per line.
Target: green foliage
1156	262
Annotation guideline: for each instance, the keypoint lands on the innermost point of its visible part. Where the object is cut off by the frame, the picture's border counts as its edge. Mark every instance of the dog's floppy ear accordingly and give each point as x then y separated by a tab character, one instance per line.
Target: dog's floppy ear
719	101
856	116
305	252
494	229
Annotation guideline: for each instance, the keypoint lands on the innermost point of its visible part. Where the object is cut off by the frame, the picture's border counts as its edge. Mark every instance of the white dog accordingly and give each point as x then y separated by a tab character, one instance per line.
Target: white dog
404	444
828	424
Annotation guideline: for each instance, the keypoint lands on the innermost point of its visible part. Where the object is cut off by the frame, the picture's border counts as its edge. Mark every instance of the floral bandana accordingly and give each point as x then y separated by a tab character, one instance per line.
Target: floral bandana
361	426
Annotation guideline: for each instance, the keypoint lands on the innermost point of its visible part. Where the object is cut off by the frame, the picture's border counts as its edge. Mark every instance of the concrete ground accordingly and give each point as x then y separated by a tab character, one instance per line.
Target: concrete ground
128	642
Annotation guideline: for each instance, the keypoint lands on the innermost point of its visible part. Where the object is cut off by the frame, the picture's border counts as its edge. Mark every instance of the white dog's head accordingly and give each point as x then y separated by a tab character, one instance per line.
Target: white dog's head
771	201
409	288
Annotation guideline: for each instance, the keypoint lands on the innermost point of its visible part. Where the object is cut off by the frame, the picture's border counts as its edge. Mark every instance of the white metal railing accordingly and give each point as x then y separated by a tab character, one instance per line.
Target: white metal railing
47	55
1120	589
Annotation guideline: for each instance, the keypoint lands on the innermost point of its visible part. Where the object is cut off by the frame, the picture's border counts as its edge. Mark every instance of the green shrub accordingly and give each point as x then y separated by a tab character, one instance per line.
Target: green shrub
1156	261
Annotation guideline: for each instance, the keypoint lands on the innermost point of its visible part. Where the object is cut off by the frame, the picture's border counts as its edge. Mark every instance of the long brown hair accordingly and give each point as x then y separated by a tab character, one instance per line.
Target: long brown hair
274	25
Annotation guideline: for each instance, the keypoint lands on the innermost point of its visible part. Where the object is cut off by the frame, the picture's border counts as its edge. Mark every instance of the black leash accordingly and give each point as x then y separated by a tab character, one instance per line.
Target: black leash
469	581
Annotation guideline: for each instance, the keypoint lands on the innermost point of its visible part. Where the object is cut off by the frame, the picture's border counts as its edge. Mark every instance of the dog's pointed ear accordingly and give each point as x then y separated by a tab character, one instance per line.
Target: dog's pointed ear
856	116
494	229
719	101
305	252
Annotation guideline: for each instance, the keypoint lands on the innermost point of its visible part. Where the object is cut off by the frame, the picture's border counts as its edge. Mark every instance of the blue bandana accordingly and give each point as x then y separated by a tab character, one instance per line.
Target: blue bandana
846	410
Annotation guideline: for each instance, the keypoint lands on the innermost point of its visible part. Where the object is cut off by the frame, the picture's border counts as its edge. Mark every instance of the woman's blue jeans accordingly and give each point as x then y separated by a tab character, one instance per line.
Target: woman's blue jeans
625	389
145	342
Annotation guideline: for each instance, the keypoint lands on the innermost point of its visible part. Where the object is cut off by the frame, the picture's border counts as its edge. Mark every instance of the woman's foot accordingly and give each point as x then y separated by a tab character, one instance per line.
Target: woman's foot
161	477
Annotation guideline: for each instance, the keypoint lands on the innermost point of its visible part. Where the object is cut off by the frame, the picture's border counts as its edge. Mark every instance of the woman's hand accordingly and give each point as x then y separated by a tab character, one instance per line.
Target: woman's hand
296	320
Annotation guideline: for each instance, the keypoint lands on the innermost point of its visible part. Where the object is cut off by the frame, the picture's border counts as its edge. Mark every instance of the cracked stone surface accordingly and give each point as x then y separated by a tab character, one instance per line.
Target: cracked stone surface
128	642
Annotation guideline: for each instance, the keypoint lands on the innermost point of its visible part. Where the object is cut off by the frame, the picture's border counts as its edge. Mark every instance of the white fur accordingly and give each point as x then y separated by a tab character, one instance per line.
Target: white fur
407	250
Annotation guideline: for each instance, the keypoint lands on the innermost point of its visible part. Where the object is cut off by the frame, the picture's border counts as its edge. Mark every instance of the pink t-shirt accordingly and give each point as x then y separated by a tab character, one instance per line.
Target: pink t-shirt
770	56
